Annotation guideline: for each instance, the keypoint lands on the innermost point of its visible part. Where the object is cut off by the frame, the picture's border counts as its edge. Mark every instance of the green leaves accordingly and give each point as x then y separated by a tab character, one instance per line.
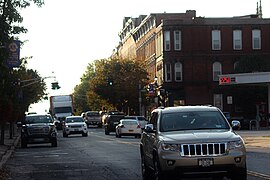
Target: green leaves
111	83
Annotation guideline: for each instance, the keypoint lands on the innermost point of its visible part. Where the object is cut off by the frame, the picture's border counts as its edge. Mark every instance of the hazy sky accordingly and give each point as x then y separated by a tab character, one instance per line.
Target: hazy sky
65	35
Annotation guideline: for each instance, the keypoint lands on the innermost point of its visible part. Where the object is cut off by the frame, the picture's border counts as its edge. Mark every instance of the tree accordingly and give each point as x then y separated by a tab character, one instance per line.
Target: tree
110	84
126	76
10	88
84	98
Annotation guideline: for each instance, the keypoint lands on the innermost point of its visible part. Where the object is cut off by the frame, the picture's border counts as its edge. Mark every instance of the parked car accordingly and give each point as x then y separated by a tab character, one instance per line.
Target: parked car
111	121
192	140
128	127
93	118
141	119
38	128
74	125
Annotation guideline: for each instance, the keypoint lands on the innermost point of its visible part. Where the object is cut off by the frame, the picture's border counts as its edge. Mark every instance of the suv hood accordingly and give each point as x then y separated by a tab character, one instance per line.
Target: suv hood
75	123
199	136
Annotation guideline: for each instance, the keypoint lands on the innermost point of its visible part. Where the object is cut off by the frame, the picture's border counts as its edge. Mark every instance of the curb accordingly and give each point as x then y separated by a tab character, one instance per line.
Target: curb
9	152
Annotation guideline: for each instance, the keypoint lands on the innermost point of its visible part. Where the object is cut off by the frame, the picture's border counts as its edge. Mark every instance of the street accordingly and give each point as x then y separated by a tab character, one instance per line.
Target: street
98	157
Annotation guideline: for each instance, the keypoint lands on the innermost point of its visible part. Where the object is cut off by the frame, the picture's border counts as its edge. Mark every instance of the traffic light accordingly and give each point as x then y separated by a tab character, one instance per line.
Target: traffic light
55	86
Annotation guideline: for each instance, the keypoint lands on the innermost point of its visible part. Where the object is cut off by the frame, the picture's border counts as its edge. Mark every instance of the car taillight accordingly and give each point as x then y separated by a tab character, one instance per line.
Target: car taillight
138	126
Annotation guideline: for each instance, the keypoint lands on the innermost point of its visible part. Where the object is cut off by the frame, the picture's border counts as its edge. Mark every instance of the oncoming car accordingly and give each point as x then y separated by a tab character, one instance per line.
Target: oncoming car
128	127
38	128
74	125
192	140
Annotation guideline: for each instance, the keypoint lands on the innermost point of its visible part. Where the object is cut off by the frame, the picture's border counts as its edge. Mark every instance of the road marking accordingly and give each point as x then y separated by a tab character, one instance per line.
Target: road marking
119	141
260	175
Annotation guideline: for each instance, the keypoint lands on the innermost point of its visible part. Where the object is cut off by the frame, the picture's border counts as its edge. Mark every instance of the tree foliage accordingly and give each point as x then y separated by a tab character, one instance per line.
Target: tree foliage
123	93
14	98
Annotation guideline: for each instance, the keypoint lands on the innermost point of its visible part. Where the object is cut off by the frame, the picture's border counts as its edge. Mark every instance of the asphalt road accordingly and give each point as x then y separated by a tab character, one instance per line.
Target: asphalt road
99	157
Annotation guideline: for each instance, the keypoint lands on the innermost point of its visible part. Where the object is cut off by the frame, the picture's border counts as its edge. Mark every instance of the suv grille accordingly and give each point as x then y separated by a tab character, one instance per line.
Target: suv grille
207	149
38	130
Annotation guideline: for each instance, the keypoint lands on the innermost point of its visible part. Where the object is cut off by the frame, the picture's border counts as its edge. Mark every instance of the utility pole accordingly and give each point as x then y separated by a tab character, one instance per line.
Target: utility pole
140	99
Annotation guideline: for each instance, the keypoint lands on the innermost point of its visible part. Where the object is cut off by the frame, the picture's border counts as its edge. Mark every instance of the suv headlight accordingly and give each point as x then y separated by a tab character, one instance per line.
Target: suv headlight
236	144
170	147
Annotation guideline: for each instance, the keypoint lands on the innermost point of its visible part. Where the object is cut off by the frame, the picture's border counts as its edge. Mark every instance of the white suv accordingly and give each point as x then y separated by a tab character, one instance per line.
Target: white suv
74	125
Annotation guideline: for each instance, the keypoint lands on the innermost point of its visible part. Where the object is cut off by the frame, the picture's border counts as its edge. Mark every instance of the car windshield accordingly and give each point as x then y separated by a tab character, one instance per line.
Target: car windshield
38	119
142	119
93	114
74	120
192	121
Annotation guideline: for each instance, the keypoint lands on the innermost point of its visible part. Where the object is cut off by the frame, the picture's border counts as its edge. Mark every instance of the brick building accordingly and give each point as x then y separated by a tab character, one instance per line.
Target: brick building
185	54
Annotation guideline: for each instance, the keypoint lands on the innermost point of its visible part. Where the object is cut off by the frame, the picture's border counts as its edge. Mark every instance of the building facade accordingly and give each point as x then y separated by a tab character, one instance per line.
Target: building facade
185	54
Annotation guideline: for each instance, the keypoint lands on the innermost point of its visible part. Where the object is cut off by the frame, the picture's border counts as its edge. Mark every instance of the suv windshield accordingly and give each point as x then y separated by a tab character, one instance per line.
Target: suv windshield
92	114
73	120
192	121
38	119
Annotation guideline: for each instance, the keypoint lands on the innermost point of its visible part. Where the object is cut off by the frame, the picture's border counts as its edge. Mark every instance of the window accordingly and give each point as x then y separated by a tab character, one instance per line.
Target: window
216	71
168	72
256	39
167	41
216	44
218	101
177	40
237	39
178	71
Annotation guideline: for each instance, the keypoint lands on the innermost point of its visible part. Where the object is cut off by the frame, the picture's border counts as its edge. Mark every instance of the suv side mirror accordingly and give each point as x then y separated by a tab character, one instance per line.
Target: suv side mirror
149	128
236	125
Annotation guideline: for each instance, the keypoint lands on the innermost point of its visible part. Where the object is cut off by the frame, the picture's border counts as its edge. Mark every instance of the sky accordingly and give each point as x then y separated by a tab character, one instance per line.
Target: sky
64	36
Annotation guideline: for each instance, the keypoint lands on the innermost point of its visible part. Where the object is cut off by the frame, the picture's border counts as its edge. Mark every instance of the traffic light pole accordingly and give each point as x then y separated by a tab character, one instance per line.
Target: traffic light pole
35	80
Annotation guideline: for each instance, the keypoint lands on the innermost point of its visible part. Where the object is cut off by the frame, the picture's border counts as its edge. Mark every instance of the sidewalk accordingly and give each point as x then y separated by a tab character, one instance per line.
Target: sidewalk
8	148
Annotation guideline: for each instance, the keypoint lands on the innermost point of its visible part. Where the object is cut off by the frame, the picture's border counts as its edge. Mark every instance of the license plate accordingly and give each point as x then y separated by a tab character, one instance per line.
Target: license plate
76	129
39	140
205	162
130	130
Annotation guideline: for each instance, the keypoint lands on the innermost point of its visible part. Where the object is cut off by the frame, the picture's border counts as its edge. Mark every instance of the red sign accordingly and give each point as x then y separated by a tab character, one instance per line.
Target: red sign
224	80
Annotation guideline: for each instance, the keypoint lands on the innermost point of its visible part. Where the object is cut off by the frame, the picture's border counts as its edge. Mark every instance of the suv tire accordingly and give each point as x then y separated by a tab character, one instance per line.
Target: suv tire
23	143
65	134
158	174
54	143
147	173
239	174
84	134
106	131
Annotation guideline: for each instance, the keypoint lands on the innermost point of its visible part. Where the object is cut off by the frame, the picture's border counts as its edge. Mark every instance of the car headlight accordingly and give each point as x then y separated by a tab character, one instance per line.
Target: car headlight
236	144
170	147
84	125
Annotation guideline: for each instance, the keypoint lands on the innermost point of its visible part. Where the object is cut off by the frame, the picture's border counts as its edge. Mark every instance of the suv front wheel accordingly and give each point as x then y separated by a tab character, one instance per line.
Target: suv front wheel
146	171
239	174
158	174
